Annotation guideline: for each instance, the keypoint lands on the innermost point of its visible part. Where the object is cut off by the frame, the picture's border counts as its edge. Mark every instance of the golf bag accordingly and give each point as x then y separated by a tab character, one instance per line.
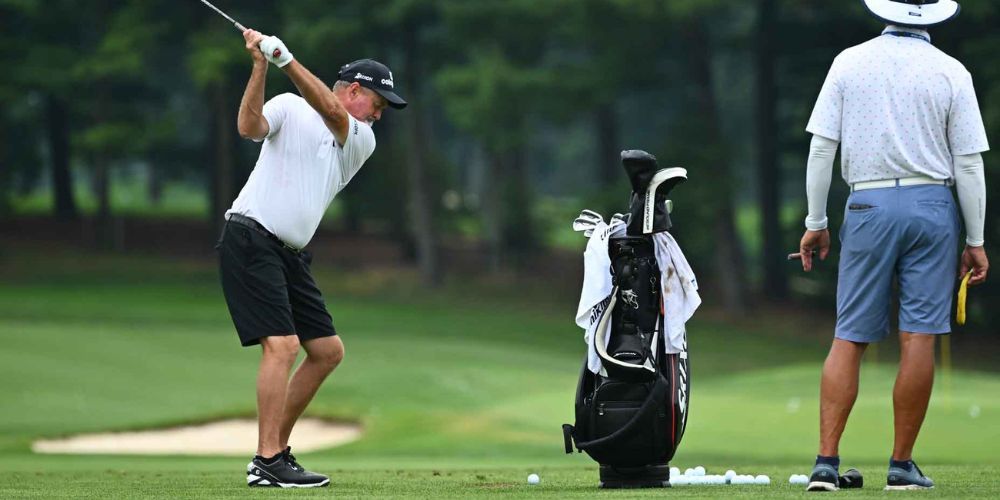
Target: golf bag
631	415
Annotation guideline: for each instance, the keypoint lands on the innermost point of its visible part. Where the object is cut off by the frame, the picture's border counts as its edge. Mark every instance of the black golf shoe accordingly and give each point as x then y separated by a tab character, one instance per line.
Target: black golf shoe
851	479
282	471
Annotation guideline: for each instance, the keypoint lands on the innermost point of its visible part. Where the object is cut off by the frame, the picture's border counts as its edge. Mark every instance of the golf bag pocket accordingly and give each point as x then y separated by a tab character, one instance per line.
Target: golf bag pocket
618	419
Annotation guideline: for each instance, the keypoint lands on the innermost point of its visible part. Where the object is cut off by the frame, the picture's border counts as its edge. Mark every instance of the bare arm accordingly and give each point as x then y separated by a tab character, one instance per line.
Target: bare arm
321	98
251	122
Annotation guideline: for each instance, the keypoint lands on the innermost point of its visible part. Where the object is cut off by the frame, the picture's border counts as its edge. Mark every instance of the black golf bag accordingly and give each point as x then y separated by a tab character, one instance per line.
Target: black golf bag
630	416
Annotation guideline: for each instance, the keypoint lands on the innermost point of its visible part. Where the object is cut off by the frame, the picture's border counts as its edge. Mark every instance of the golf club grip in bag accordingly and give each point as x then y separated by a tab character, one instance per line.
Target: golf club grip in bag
633	413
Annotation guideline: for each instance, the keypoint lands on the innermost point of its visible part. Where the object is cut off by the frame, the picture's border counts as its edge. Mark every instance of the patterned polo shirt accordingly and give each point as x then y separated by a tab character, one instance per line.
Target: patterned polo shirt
899	107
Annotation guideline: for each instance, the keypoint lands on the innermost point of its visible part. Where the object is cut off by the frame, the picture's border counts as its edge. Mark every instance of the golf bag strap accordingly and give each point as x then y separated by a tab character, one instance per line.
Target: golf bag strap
653	403
568	437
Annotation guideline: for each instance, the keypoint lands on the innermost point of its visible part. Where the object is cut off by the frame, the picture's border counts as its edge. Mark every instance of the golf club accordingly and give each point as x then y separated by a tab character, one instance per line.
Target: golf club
223	14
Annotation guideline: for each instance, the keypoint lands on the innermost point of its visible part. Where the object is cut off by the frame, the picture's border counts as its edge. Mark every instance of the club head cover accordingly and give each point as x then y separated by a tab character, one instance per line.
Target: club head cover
648	211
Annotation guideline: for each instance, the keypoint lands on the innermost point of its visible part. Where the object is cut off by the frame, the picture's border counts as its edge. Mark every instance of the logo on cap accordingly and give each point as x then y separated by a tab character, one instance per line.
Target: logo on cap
362	76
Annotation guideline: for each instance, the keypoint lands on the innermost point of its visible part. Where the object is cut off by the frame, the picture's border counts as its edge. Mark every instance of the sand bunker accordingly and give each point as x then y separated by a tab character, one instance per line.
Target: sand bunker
228	437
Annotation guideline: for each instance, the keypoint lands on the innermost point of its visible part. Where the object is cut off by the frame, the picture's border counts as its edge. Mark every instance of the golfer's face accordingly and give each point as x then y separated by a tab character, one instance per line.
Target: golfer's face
370	105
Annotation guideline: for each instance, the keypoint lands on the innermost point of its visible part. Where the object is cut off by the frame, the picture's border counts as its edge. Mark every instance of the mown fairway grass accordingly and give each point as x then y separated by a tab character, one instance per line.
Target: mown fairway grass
461	392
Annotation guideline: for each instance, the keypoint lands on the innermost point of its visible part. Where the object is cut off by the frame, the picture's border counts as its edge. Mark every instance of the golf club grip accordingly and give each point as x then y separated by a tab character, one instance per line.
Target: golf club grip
239	26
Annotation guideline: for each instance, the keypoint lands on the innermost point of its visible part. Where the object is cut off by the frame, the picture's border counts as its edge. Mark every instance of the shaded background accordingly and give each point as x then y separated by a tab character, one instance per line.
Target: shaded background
118	127
449	258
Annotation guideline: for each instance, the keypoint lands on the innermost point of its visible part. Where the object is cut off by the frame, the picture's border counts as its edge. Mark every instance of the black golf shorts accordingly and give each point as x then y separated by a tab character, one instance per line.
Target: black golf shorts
268	287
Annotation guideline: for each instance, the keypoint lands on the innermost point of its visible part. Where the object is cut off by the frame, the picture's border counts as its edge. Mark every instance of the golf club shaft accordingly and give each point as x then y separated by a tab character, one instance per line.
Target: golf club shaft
223	14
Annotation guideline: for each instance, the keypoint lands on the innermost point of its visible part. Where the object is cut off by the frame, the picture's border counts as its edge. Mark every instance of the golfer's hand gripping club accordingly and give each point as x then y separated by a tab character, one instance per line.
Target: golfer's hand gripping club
275	51
253	39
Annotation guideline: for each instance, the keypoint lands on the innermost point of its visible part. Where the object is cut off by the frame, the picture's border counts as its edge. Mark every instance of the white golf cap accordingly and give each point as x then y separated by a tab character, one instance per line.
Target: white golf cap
913	13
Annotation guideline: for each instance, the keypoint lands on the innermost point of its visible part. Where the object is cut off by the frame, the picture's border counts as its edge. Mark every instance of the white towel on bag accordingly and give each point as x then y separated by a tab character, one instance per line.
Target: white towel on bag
679	289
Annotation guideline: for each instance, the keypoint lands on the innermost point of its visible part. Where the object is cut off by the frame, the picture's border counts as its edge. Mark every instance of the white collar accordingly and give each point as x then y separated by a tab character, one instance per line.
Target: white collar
904	29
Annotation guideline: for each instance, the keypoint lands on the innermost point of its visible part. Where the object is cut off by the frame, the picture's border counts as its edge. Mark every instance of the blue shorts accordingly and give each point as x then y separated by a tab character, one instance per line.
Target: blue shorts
909	234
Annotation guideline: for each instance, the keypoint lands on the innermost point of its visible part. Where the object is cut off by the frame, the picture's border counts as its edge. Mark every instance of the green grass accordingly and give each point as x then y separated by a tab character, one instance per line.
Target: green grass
461	391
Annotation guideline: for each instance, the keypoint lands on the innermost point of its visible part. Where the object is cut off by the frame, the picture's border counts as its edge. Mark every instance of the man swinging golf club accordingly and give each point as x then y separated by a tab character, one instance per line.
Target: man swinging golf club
312	147
908	123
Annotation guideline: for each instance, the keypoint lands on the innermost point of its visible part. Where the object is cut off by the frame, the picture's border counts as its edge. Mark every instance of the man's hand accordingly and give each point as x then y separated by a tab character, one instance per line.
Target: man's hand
814	240
275	51
974	258
253	39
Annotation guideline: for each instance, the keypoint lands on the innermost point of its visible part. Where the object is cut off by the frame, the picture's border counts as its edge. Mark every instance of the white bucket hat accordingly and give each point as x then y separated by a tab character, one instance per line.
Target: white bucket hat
913	13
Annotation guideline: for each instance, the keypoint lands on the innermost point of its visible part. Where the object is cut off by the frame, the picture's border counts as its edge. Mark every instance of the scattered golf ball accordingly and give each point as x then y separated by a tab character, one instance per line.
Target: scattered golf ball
699	471
761	479
674	472
798	479
533	479
730	474
689	472
679	480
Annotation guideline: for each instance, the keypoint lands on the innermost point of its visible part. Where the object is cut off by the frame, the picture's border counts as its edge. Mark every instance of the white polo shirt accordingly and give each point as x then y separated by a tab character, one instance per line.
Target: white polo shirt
300	169
899	107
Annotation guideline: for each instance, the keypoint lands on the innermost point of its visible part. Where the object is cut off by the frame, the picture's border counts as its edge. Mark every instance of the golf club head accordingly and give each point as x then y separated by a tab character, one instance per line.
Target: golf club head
650	186
586	221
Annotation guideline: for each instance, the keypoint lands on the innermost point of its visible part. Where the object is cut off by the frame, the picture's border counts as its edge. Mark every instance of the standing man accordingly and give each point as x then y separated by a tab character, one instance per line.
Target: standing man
313	146
909	126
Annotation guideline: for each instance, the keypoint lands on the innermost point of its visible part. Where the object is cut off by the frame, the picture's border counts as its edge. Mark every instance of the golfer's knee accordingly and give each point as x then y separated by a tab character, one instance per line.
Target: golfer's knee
330	355
284	348
916	343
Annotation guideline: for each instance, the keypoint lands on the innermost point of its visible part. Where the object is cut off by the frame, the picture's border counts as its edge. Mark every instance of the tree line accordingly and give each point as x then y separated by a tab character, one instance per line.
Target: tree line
516	105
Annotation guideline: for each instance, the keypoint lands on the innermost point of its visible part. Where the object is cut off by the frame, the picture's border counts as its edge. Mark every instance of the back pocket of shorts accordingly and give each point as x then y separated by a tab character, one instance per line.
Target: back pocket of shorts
939	213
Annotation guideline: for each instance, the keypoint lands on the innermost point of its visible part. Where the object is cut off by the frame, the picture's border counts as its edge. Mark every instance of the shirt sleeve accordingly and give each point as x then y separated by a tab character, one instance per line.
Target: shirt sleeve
970	183
819	173
276	112
828	113
966	133
360	145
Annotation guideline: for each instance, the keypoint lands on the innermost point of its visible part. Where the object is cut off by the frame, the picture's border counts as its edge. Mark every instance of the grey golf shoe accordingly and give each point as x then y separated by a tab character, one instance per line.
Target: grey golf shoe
902	479
823	478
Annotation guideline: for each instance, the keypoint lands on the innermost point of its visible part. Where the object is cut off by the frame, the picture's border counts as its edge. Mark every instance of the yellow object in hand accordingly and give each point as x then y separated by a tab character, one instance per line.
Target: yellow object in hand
963	292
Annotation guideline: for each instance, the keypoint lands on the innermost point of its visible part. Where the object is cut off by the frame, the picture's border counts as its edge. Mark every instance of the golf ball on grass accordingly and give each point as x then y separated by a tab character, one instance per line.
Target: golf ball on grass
761	480
533	479
798	479
699	471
